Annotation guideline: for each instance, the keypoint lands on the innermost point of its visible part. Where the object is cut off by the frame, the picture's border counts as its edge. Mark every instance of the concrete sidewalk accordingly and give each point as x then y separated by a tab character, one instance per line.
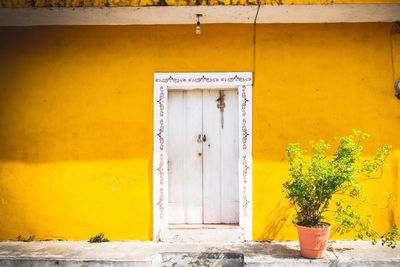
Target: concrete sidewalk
66	253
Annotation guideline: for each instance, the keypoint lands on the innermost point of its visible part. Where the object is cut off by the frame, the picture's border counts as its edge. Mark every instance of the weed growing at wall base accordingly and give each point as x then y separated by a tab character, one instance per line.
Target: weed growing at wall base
98	238
23	239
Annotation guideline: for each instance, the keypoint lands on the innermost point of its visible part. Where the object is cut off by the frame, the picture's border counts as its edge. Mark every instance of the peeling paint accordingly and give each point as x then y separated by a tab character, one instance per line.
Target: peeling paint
139	3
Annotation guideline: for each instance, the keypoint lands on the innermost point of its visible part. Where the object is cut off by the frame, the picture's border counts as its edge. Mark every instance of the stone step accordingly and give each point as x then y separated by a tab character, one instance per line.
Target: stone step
230	235
201	259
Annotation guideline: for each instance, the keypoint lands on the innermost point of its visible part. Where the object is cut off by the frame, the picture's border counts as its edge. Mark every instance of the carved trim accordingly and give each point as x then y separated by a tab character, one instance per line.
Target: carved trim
242	81
203	79
160	202
245	134
245	199
170	79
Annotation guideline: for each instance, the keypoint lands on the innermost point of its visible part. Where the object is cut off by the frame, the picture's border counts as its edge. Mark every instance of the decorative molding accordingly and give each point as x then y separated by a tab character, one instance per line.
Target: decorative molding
170	81
245	158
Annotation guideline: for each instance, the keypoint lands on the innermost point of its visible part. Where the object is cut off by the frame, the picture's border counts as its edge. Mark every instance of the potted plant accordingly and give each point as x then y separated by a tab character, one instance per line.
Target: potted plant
315	181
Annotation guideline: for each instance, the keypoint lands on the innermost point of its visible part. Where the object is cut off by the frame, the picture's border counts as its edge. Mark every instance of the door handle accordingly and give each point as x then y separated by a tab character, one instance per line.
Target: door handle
201	139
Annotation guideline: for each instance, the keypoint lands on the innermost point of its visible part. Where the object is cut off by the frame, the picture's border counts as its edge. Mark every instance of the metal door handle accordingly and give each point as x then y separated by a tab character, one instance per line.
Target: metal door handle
204	138
199	138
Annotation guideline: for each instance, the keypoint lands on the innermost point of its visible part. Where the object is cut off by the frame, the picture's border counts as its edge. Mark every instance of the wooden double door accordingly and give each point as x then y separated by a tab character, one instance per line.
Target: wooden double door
203	186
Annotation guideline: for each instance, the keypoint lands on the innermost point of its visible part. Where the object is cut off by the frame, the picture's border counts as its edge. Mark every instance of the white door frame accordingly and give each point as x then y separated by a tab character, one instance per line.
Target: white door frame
208	80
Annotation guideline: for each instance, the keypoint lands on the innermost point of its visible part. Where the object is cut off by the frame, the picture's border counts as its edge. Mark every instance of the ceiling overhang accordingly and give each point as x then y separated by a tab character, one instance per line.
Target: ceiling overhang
211	14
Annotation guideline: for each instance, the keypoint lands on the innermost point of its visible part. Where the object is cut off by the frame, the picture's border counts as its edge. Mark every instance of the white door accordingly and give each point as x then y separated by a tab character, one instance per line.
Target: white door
203	157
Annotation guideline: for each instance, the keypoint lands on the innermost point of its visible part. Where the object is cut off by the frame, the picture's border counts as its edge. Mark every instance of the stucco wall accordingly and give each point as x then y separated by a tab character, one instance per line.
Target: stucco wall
76	116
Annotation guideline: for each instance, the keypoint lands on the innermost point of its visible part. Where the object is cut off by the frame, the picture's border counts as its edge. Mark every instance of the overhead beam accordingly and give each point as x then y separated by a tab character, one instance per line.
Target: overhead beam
211	14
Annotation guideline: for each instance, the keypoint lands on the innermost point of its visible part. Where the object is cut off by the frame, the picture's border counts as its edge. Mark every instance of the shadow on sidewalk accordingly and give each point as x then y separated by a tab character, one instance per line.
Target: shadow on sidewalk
273	250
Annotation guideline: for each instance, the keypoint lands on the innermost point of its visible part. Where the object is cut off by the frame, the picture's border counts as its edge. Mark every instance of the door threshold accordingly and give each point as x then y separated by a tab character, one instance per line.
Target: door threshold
184	233
203	226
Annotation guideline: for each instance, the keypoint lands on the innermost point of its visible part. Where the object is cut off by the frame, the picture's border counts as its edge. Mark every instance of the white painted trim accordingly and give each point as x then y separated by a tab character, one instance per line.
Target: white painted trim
245	159
162	83
153	15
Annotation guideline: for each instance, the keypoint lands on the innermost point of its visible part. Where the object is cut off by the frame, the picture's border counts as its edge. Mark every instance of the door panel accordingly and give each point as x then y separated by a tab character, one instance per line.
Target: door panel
220	162
185	163
203	174
229	160
175	157
212	158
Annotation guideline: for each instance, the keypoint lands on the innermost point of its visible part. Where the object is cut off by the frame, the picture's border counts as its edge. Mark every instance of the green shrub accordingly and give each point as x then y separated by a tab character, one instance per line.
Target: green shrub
316	179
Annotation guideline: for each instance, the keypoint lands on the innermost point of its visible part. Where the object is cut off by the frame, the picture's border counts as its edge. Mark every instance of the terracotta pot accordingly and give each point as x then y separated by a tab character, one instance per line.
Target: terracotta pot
313	240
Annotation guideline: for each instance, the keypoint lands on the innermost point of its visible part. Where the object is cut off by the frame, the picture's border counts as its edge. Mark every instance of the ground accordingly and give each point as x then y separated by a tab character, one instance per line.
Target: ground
79	253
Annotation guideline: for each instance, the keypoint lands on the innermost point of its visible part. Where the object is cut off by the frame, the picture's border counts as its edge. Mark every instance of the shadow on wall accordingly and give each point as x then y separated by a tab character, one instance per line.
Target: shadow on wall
278	218
150	192
63	97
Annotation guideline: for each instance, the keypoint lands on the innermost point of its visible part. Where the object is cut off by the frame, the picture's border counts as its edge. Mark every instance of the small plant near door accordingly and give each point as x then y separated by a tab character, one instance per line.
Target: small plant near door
26	239
320	185
99	238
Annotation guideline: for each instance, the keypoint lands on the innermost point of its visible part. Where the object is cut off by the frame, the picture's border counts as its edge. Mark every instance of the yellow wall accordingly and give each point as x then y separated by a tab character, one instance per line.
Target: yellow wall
315	82
122	3
76	116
